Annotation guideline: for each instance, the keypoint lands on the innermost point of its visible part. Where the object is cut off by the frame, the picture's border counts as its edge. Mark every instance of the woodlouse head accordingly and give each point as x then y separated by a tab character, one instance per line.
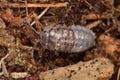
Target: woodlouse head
44	38
47	38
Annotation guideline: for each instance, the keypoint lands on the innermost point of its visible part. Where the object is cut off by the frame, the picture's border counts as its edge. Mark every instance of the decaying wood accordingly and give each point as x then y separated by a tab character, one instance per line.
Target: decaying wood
99	68
111	48
16	5
111	44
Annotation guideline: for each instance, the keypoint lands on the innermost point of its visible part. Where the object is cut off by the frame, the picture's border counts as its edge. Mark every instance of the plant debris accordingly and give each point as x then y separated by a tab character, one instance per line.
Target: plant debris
23	57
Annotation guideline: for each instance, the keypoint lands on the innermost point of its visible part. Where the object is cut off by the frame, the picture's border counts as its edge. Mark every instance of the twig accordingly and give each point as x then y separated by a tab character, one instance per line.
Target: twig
18	5
26	8
1	61
97	16
88	4
4	69
118	76
40	15
94	24
2	65
1	73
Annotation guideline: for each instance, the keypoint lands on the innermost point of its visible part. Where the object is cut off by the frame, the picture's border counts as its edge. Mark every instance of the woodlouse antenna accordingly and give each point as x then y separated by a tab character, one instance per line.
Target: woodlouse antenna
26	21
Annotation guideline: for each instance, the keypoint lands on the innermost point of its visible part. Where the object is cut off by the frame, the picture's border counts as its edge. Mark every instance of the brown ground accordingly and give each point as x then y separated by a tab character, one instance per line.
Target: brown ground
19	42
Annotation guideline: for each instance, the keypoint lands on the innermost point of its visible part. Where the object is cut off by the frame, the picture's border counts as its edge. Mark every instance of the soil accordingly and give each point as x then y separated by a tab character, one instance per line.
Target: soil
19	44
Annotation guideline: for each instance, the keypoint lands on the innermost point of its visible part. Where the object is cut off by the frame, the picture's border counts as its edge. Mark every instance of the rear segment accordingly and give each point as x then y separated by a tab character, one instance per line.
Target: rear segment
84	38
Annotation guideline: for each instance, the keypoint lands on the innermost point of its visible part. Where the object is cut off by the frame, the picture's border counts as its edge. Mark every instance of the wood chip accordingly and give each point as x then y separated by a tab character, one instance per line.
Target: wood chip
18	75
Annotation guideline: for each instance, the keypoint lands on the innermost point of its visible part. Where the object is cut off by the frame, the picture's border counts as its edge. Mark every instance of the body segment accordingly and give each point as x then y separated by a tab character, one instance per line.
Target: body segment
67	39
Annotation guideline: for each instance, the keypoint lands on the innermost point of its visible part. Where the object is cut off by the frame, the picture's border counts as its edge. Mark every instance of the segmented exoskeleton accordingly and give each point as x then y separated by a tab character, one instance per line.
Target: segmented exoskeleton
70	39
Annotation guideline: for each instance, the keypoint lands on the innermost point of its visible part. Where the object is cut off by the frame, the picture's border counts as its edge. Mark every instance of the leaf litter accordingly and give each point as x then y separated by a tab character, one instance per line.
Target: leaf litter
21	55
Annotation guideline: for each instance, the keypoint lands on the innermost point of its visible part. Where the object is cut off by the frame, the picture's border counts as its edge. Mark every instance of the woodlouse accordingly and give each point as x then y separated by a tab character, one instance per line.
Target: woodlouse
70	39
